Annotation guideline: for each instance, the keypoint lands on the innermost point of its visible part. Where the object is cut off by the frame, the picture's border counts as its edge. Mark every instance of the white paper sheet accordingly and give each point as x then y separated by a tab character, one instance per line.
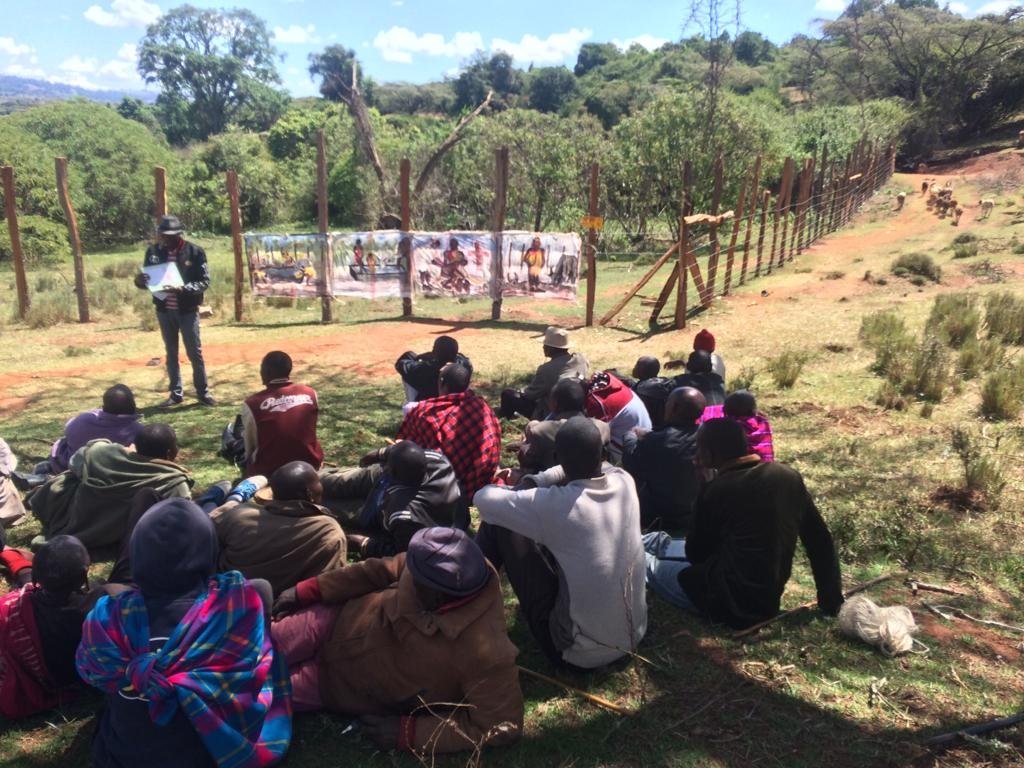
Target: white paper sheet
163	276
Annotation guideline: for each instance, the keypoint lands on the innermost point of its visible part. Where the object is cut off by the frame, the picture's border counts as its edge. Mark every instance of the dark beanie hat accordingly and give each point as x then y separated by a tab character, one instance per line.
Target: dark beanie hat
704	340
447	560
173	549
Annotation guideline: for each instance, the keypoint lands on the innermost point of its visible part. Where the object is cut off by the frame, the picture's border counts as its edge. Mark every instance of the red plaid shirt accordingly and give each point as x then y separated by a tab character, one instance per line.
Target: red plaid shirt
464	428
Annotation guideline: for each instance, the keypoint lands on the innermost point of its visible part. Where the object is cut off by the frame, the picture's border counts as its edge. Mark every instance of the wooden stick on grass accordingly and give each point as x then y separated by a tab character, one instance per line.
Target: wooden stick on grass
594	699
785	614
974	730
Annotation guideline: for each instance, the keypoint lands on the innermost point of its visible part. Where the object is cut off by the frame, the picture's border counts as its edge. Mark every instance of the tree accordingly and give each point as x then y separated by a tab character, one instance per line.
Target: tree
220	63
753	48
551	88
594	55
131	108
488	74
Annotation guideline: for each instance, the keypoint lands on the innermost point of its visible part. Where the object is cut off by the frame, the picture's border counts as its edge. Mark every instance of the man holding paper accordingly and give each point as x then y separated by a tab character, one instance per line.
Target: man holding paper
176	273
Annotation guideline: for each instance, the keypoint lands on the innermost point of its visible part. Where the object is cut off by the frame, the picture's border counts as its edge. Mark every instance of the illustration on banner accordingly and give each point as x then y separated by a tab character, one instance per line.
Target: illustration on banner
546	265
371	265
285	265
453	263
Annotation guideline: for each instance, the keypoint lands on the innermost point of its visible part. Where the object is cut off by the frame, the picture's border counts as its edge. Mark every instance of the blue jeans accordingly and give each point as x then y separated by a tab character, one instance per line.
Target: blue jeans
663	573
187	323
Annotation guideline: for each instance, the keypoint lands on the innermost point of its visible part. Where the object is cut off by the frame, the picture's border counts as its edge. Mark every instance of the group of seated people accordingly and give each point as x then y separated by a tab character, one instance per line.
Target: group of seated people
228	610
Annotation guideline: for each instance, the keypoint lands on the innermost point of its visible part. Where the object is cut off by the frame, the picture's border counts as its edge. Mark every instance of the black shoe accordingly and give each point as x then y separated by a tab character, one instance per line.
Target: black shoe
170	402
207	399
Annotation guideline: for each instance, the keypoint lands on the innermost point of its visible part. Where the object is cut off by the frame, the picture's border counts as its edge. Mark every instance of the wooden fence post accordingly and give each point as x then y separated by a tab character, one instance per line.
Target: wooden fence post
766	202
159	192
803	211
786	197
737	221
754	199
403	185
592	244
715	250
11	210
819	199
498	226
684	246
236	239
323	218
81	291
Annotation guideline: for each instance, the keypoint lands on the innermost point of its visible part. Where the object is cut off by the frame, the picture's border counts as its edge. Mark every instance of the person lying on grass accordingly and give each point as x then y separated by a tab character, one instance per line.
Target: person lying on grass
185	658
415	645
403	488
569	540
93	500
734	563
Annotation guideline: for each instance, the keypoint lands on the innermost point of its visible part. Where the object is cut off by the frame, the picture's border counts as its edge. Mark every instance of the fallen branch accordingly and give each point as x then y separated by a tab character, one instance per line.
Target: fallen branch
973	730
921	585
594	699
810	604
938	610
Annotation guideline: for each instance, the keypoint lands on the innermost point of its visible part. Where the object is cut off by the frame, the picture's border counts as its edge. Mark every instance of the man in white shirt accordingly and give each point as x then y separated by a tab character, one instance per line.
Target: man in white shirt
569	539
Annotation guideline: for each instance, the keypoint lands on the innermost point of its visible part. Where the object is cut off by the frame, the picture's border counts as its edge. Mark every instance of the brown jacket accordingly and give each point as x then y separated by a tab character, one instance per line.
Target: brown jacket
283	542
387	656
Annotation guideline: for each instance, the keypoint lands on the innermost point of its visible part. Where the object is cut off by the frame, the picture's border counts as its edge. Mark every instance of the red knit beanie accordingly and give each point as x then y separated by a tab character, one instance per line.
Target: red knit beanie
704	341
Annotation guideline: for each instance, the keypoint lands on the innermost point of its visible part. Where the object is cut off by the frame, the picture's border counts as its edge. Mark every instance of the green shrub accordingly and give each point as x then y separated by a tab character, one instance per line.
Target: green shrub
964	237
981	470
928	372
889	398
1018	249
786	368
1002	394
977	357
917	264
46	283
965	251
954	318
49	309
886	333
42	240
835	274
918	280
120	270
744	379
1004	316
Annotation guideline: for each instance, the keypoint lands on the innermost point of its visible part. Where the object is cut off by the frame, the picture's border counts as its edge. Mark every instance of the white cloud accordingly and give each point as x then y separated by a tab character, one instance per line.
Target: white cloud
650	42
124	13
399	44
831	6
958	8
996	7
553	49
397	3
20	70
10	47
295	35
77	64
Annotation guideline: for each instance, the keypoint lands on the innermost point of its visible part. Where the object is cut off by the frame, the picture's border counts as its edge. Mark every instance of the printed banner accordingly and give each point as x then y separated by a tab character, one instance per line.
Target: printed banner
285	265
544	265
375	264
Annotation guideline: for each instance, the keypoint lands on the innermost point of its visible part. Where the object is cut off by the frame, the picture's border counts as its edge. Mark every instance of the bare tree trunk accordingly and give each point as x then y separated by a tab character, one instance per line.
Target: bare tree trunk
447	144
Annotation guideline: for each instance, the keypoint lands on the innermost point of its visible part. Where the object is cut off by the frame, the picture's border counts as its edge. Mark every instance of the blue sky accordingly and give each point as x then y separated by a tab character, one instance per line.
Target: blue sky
93	44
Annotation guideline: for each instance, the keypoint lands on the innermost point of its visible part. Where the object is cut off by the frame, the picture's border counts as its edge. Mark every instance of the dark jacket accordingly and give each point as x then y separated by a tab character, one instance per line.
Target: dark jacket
709	384
421	371
654	393
745	527
195	273
661	462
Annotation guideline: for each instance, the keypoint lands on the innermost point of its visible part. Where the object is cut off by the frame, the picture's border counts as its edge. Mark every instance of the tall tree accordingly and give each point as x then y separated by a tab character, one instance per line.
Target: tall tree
219	63
550	88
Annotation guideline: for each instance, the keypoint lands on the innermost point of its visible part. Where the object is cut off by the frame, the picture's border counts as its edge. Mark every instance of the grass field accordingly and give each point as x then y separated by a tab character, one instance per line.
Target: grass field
797	694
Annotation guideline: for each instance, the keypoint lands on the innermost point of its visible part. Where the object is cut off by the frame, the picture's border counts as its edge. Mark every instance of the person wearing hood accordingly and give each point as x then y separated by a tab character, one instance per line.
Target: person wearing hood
404	489
93	500
415	645
185	657
117	420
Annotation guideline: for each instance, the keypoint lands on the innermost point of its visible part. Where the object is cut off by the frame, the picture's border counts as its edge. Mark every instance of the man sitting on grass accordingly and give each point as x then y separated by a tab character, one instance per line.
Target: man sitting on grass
40	627
462	425
93	501
562	364
285	539
652	389
415	645
537	450
569	540
404	489
699	375
419	372
117	421
279	422
738	556
662	462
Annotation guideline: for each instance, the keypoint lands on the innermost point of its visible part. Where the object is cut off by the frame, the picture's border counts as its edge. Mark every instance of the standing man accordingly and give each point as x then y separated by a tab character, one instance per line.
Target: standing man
177	308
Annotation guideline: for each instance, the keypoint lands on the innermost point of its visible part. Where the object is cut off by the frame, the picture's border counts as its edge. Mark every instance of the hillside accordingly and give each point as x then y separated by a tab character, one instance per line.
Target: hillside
22	92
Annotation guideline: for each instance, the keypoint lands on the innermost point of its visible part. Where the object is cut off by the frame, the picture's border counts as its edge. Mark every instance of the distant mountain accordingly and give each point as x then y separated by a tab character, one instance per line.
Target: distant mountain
25	91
